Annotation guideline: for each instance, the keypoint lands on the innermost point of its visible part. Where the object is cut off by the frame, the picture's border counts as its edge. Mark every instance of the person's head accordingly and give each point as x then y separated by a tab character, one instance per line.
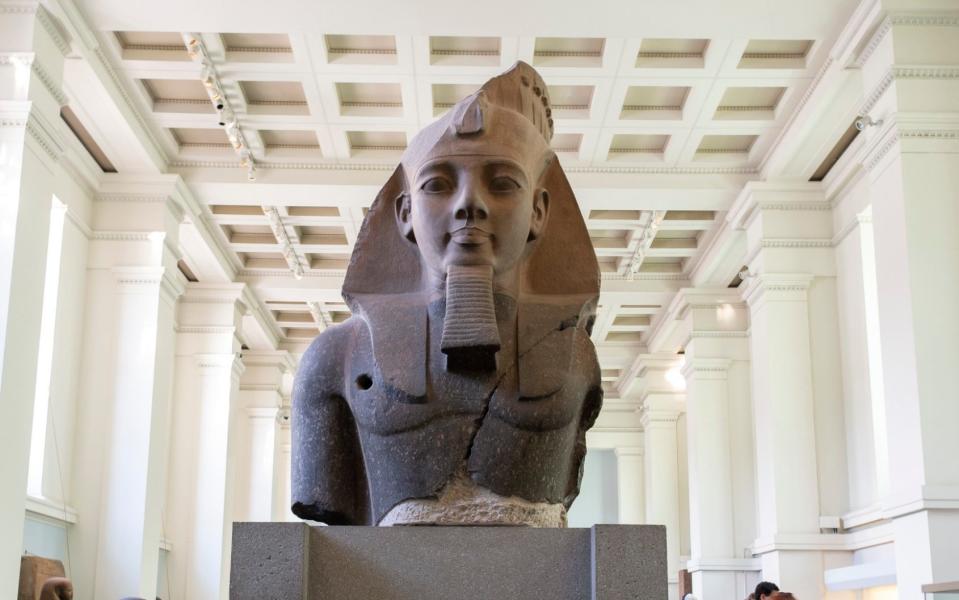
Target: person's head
475	194
765	590
782	596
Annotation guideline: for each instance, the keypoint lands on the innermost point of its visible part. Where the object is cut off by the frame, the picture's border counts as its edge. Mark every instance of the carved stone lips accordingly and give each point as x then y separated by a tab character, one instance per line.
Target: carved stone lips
470	236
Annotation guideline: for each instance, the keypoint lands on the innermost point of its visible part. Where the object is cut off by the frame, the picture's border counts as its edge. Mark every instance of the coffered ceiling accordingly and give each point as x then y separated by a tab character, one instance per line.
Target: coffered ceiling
661	114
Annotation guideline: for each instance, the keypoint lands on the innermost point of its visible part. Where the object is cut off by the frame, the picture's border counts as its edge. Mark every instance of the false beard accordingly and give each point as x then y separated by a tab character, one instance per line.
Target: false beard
470	333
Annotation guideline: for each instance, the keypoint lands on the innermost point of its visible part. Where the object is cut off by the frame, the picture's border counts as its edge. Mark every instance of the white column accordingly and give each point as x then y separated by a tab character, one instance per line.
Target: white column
202	467
121	450
31	67
714	321
913	166
283	469
630	478
796	380
785	429
261	399
662	402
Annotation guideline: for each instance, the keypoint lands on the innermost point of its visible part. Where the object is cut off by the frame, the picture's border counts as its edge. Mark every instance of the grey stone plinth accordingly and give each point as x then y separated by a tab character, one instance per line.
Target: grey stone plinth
294	561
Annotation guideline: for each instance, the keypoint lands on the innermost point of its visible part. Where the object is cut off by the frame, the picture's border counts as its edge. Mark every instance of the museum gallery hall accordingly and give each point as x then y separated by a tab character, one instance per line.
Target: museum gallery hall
752	207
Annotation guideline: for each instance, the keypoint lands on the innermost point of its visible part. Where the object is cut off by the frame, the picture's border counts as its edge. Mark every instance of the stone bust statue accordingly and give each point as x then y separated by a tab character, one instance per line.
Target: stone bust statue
461	389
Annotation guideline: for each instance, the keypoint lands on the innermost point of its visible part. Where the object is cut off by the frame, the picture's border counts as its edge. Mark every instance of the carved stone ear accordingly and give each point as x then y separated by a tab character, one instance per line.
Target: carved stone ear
404	218
537	220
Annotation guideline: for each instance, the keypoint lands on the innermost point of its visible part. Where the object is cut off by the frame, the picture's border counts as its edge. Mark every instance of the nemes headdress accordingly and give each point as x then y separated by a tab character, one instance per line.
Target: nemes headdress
510	115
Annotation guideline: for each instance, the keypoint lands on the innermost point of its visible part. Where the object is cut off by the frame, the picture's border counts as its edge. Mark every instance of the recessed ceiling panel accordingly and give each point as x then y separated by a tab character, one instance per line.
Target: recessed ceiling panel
672	53
566	142
775	54
725	144
568	52
152	45
654	102
445	95
749	103
361	49
275	97
192	136
638	143
370	99
376	143
570	101
464	51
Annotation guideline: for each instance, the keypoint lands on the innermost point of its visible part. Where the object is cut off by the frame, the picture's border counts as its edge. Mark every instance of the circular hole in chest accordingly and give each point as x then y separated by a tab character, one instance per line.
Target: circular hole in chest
364	381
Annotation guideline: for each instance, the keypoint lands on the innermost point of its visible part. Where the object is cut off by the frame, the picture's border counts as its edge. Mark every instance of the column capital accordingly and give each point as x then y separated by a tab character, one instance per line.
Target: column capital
142	280
628	451
777	287
761	196
661	411
231	361
697	310
707	368
281	359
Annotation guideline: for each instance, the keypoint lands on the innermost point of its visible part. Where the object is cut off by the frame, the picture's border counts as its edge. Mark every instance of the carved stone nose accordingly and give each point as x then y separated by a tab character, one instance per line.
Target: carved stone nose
470	208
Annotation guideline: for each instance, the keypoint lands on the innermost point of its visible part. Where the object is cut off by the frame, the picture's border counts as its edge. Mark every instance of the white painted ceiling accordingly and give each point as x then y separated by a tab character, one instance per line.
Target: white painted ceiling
663	111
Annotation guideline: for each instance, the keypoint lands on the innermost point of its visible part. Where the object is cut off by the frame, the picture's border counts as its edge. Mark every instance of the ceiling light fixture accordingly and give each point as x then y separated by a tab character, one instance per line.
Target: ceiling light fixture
282	237
645	240
226	117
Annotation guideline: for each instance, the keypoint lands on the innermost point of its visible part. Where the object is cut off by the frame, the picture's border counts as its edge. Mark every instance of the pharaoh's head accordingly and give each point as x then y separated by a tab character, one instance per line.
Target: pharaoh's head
475	191
476	188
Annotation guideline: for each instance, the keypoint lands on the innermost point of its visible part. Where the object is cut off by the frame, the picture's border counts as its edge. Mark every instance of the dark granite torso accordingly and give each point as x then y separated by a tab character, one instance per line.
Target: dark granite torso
295	561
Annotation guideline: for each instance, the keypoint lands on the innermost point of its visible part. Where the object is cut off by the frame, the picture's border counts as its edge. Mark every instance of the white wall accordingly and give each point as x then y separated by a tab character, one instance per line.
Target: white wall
597	501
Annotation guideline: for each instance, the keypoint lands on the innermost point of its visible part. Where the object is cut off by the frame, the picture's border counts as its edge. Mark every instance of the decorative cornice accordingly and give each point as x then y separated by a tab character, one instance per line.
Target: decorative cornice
285	273
350	166
82	227
45	138
894	133
131	106
18	8
147	279
789	287
945	19
44	134
133	198
231	361
259	387
706	368
206	329
644	276
29	58
53	30
813	86
873	43
905	72
707	334
795	243
625	451
48	82
124	236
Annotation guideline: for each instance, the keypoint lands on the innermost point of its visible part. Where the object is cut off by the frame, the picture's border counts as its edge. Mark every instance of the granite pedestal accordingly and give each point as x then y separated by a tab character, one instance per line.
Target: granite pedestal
295	561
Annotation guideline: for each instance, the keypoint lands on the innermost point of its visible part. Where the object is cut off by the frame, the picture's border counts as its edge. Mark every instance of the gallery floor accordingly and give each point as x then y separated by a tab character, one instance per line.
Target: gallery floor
770	188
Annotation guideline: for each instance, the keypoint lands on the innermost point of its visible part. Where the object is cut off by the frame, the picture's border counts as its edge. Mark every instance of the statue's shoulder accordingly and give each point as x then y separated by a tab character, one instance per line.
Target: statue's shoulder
322	366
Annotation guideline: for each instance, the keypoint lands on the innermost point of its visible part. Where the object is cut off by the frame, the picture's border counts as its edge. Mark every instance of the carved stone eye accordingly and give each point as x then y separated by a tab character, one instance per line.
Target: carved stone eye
436	185
503	184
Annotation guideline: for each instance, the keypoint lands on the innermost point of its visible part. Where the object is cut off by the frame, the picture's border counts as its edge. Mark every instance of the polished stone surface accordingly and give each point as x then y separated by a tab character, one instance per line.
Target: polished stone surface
287	561
472	290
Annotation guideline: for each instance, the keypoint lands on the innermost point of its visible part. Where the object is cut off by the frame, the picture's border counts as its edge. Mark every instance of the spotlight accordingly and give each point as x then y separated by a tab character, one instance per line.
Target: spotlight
251	172
866	121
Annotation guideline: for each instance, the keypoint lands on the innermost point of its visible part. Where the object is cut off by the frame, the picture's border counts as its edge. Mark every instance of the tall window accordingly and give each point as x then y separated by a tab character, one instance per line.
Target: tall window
41	405
874	351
